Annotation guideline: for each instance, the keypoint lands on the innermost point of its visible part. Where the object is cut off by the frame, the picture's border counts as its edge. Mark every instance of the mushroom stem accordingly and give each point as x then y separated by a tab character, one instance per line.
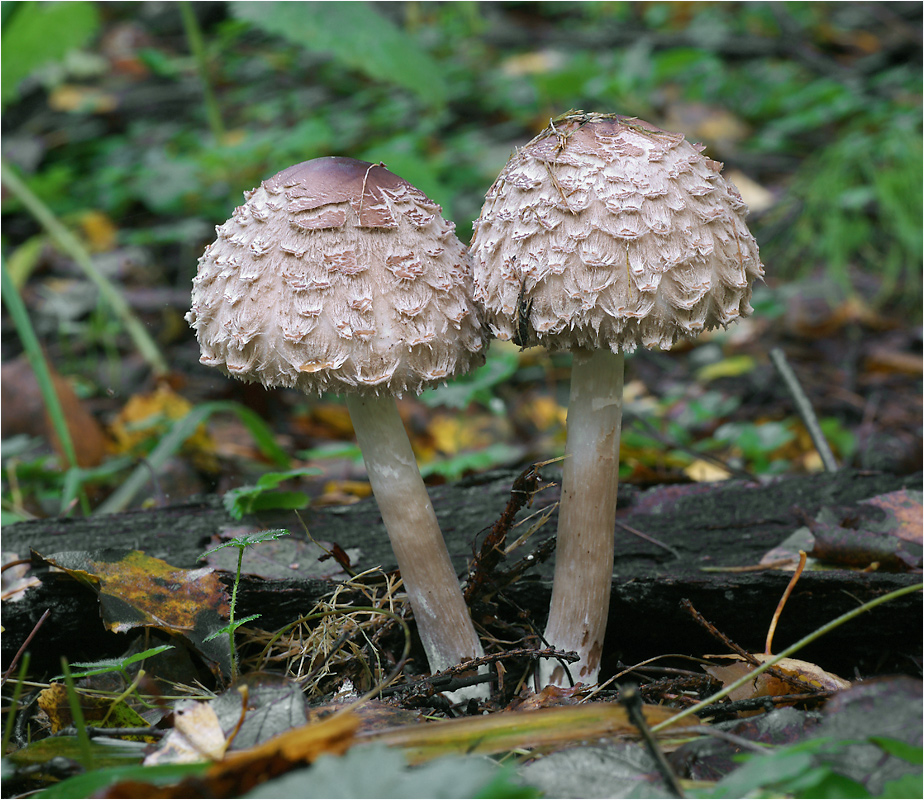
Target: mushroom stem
431	583
586	517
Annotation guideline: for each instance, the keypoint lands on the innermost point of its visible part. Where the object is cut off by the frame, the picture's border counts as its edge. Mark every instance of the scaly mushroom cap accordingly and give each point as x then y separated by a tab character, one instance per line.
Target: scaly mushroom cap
606	231
337	275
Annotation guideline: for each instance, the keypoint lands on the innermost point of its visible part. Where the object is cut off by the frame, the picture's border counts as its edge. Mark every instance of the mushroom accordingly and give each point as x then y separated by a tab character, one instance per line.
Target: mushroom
337	275
601	234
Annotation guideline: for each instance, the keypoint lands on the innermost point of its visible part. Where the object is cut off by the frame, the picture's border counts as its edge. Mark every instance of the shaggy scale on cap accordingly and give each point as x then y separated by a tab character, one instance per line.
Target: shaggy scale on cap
337	275
607	232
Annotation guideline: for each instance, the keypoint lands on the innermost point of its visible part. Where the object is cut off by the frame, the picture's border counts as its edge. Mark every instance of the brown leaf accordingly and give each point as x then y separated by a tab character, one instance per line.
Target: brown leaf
767	685
495	733
239	772
98	711
24	412
136	590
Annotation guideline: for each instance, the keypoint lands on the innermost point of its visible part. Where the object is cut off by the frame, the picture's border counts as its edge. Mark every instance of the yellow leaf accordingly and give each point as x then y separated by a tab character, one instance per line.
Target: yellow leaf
98	230
726	368
83	99
99	712
148	416
706	472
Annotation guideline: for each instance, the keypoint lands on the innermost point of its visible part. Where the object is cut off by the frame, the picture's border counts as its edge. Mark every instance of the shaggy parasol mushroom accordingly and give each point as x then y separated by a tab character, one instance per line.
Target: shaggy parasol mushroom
601	234
337	275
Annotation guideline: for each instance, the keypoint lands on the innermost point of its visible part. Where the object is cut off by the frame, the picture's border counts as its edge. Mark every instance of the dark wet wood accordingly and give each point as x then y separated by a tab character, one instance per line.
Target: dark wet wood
718	525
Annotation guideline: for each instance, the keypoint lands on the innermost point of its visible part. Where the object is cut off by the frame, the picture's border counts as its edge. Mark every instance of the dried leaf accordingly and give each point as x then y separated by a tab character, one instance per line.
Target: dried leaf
196	736
148	416
495	733
767	685
100	712
136	590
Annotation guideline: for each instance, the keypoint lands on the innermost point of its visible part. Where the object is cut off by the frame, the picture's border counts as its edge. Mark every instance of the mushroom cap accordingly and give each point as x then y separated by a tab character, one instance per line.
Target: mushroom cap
337	275
605	231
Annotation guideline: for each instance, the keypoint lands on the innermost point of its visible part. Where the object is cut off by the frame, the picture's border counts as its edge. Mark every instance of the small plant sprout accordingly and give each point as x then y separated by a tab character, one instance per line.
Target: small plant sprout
241	543
601	234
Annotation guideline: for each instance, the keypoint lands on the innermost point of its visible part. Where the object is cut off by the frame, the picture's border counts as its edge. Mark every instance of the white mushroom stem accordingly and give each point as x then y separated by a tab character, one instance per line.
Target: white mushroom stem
586	517
430	581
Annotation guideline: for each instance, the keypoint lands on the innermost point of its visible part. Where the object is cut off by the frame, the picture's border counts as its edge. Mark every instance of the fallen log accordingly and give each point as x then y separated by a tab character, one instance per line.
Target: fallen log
689	528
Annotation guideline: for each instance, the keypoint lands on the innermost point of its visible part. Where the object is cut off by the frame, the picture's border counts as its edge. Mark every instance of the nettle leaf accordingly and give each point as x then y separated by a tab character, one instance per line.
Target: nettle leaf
262	496
356	35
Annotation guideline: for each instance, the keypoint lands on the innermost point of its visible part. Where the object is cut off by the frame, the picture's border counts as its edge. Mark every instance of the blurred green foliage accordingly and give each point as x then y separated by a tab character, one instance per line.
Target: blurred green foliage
442	92
819	105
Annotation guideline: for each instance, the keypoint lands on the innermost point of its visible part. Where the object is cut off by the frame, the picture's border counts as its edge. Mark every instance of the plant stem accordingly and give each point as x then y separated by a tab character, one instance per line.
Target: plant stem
39	365
197	48
73	699
792	649
14	703
804	407
71	245
33	350
237	580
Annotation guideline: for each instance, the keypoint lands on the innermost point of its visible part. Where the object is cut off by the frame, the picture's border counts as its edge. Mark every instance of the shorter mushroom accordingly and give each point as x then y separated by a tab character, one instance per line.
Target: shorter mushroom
337	275
601	234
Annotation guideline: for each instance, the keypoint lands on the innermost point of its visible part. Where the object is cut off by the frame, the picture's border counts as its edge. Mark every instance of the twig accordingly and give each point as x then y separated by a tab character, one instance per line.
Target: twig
482	579
792	649
779	606
792	680
757	703
94	730
25	644
631	700
804	407
675	553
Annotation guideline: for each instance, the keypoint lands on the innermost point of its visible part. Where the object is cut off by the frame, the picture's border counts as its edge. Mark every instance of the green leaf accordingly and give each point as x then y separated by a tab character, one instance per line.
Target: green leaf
355	34
249	539
906	786
92	783
378	771
475	461
261	497
39	33
913	754
477	386
231	627
114	664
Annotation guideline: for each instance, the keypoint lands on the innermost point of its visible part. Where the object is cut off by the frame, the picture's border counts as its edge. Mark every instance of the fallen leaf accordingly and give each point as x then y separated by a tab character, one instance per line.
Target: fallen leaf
24	412
136	590
706	472
196	736
767	685
99	231
98	711
904	513
82	99
508	730
148	416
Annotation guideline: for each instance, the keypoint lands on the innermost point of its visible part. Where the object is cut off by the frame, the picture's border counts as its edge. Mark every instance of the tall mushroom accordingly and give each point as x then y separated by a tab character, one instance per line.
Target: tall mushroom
601	234
337	275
